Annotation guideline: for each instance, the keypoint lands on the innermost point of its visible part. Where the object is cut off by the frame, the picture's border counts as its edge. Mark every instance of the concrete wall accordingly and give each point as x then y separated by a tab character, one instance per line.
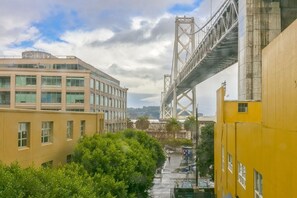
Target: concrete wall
37	153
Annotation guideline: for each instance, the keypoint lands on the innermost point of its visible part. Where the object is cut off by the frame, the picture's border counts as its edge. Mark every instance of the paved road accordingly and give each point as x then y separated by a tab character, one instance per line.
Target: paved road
162	185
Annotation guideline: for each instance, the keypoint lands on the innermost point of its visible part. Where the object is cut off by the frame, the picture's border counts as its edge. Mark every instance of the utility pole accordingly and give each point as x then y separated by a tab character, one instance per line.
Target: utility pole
197	139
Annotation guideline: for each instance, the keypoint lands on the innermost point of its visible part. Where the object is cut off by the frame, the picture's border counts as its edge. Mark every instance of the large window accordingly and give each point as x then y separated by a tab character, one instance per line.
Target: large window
4	97
4	81
23	134
74	97
258	185
51	97
242	107
69	130
25	80
47	132
75	81
54	81
25	97
241	174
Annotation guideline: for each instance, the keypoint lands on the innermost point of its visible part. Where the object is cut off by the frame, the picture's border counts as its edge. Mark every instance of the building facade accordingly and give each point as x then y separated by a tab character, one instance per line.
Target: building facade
44	138
41	81
255	142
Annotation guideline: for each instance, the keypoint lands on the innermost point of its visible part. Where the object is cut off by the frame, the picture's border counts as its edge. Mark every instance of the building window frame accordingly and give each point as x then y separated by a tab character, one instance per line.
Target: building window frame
51	81
242	107
24	134
47	132
4	81
258	185
242	174
69	132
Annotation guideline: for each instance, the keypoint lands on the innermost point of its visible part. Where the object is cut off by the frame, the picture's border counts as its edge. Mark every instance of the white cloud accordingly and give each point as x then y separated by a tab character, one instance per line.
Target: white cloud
81	38
136	35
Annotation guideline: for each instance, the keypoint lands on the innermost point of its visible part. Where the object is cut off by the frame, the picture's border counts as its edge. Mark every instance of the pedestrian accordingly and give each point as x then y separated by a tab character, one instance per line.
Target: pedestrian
169	158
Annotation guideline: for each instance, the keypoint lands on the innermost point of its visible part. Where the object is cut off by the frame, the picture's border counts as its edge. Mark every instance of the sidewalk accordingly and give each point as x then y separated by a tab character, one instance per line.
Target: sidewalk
167	181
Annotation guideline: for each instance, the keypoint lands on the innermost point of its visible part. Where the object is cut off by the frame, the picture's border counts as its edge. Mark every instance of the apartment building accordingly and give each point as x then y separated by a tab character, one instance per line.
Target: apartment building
41	81
255	141
44	138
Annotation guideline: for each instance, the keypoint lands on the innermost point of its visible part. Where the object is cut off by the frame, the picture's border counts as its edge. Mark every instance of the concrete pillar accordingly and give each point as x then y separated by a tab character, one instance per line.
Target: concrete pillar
259	23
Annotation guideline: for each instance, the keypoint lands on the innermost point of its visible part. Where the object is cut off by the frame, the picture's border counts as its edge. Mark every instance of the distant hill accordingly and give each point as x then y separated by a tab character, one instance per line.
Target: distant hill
153	112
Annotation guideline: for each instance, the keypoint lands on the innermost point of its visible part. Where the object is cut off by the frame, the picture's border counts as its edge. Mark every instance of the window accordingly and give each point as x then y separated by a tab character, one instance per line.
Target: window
97	85
242	107
230	163
92	98
4	97
25	97
47	132
69	130
241	174
92	83
48	164
25	80
23	134
69	158
74	97
102	86
51	81
258	185
4	81
75	81
82	128
51	97
223	159
97	99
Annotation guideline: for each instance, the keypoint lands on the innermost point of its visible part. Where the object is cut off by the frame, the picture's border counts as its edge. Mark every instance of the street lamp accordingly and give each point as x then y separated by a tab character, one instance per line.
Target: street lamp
197	139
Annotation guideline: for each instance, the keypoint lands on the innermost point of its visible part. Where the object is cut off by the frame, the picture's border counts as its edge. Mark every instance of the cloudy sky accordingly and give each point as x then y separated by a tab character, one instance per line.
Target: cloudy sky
131	40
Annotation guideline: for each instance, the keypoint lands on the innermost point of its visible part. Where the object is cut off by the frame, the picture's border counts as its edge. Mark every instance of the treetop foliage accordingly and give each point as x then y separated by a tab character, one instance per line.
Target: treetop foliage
120	165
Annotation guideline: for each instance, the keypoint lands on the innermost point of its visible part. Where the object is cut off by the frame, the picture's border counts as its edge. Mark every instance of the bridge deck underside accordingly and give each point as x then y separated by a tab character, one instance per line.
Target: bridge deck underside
223	55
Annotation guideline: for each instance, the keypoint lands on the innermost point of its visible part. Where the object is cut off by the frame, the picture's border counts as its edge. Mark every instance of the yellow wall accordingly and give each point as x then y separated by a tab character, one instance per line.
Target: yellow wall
38	153
265	138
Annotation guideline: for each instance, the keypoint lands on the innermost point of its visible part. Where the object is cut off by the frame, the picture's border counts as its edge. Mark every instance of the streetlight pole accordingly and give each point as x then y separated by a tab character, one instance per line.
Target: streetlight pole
197	139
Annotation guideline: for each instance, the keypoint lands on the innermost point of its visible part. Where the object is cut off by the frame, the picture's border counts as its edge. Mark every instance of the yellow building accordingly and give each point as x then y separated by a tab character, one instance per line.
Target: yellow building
41	81
256	142
44	138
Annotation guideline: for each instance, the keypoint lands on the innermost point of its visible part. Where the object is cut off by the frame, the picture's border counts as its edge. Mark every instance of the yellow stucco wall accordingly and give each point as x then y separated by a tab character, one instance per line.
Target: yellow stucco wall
38	153
264	139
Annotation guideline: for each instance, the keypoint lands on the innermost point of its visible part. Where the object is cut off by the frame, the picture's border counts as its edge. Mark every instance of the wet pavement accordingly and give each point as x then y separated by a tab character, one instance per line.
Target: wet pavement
166	181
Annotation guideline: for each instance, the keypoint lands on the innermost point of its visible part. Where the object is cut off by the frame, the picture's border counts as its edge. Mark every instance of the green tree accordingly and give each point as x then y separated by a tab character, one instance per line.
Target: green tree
129	123
173	126
69	181
205	151
142	123
190	125
129	158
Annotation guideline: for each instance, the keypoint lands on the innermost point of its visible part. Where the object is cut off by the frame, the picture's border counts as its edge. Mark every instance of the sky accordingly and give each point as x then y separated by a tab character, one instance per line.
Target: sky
131	40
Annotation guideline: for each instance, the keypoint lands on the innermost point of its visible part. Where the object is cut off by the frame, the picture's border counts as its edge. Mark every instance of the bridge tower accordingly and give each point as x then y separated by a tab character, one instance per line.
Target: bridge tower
184	45
166	108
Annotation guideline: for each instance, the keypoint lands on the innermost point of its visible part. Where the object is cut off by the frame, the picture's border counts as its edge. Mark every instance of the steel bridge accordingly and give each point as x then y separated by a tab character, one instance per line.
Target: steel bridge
199	55
237	32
